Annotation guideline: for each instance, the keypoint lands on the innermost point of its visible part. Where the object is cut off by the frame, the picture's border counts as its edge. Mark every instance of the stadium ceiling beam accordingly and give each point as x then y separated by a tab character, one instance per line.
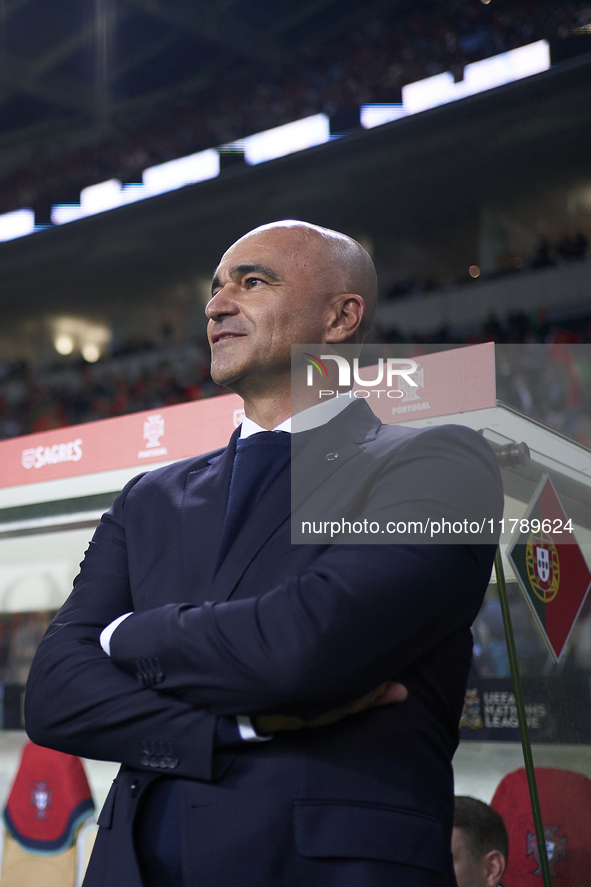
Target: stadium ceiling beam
13	141
300	14
197	82
138	103
221	30
79	38
339	23
143	55
15	74
206	73
8	8
60	51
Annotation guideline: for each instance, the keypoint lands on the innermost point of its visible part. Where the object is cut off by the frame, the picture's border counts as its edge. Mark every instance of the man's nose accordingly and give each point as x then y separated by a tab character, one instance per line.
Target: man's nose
221	304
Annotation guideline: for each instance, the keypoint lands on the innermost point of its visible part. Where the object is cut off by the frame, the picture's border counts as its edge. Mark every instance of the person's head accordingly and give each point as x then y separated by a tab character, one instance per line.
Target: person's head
285	283
479	844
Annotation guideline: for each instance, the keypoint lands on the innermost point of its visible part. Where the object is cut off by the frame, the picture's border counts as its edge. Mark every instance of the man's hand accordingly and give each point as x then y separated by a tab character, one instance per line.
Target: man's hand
385	694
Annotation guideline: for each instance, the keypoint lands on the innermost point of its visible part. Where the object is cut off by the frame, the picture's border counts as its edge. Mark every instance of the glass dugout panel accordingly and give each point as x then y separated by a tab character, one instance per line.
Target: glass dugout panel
556	685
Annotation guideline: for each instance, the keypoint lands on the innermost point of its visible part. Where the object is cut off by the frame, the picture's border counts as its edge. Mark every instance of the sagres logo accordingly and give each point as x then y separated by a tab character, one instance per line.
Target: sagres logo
388	371
39	457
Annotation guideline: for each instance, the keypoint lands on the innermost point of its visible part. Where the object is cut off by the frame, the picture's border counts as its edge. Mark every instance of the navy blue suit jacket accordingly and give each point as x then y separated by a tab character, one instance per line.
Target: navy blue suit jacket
280	627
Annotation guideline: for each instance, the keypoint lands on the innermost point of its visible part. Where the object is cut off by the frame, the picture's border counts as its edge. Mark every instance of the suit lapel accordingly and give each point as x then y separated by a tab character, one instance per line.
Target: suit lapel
326	450
202	516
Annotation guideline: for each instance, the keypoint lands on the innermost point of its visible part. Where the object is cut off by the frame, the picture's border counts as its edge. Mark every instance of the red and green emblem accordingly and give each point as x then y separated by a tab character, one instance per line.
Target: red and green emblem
550	567
543	567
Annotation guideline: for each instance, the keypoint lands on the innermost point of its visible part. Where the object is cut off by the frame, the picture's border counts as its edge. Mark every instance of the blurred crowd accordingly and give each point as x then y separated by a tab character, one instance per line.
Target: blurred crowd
145	379
551	382
369	64
570	248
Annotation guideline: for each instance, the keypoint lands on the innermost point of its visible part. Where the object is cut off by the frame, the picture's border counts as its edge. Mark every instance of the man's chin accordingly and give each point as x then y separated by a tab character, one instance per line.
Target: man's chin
225	377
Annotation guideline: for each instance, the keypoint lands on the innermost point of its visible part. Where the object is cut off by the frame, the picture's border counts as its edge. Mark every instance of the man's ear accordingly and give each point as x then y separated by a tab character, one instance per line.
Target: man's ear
494	864
345	318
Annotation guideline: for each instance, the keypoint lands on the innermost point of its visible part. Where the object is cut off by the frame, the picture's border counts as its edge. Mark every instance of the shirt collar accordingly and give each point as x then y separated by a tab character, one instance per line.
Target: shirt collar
313	417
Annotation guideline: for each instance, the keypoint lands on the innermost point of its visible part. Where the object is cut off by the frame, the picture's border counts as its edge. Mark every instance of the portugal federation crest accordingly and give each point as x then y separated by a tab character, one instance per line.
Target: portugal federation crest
555	848
41	799
543	567
153	430
411	392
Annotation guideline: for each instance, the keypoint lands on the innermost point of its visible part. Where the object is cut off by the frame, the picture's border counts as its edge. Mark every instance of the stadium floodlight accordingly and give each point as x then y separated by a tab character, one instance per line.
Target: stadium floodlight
478	77
380	113
63	344
286	139
156	180
98	199
90	352
131	193
289	138
101	197
16	224
94	199
184	171
531	59
62	213
430	93
506	67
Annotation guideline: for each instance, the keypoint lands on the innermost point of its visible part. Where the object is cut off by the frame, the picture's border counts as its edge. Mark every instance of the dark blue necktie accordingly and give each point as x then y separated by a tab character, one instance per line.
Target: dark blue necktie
258	460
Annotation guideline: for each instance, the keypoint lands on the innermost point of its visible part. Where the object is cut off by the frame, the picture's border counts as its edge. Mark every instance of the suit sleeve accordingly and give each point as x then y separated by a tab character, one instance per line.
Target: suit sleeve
79	702
312	638
359	615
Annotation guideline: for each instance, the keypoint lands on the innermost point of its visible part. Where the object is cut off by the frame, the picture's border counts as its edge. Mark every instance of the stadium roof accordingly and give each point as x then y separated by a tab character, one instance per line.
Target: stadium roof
414	179
69	67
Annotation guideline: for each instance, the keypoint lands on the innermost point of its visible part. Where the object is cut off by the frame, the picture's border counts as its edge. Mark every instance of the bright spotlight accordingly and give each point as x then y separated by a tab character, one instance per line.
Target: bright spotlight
64	344
90	352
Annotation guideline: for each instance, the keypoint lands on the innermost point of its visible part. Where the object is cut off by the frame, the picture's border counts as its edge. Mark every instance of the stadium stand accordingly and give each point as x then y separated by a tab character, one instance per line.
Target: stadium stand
158	376
570	248
368	65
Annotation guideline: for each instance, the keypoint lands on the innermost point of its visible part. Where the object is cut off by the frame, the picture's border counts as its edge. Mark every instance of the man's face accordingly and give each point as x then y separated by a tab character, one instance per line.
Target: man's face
269	292
472	872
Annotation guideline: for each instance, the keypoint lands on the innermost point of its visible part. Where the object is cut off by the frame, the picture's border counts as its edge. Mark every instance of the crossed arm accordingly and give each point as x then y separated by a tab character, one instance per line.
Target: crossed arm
339	620
334	632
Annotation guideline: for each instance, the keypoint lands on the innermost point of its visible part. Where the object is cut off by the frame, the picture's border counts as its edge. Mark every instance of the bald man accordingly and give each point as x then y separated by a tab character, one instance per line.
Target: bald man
284	714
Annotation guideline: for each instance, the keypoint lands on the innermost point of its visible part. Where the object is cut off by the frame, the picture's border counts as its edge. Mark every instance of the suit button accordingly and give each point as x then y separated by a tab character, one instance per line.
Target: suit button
134	788
330	457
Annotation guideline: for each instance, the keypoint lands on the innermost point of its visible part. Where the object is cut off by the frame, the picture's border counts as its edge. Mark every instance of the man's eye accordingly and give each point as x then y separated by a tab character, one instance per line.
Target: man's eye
253	281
